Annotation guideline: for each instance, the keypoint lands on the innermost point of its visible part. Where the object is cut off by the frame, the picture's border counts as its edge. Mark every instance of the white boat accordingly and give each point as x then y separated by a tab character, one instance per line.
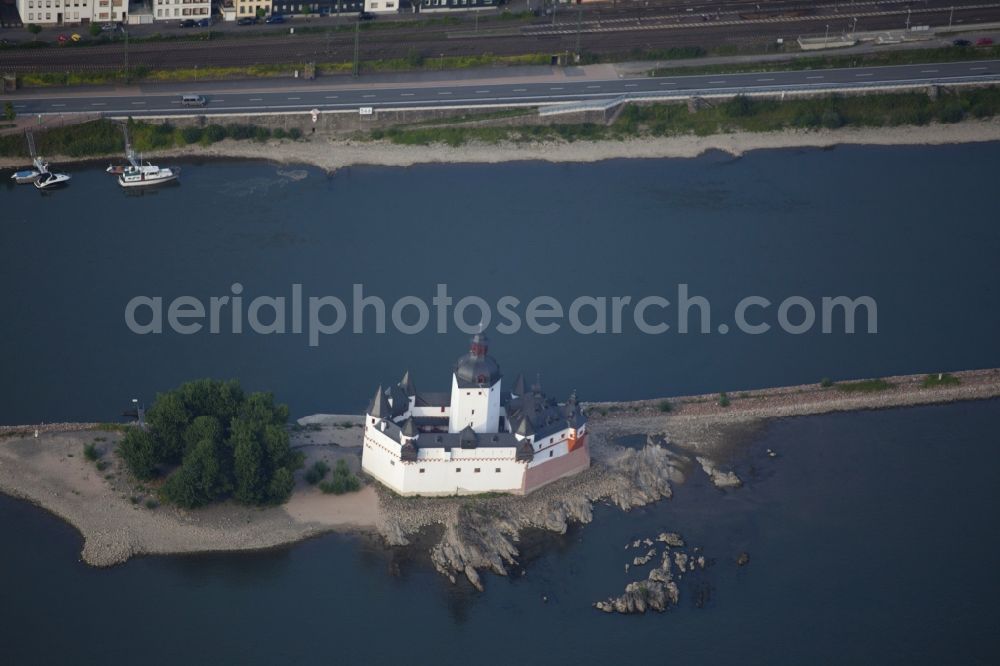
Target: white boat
39	165
145	175
50	180
27	176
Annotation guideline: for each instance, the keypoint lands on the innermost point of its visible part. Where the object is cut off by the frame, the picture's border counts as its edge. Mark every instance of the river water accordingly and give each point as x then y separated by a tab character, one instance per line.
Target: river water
872	540
871	534
912	227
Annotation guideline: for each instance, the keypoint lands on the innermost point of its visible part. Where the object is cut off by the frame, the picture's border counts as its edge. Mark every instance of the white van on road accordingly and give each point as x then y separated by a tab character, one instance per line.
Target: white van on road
194	100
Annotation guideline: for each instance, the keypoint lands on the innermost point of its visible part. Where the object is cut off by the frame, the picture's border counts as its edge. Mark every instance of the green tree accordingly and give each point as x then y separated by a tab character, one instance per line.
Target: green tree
95	29
248	465
201	429
281	485
8	111
168	418
34	29
138	450
198	480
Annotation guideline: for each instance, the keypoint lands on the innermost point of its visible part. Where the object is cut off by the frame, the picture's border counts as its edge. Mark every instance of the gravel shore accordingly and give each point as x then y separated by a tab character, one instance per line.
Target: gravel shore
332	153
119	518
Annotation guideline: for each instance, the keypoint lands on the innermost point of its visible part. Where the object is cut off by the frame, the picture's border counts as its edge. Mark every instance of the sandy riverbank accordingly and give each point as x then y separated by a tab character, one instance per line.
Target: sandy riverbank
117	520
332	153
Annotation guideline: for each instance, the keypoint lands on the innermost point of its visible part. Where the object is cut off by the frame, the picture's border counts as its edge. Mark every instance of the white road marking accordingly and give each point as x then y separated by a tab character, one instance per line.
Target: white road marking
975	68
444	93
58	105
406	94
480	92
631	85
138	102
556	88
256	99
715	82
98	104
814	77
362	96
593	86
765	79
330	97
296	97
665	83
864	75
928	71
520	90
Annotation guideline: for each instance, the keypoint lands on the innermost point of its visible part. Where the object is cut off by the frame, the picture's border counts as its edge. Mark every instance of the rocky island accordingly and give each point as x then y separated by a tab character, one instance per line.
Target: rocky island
639	450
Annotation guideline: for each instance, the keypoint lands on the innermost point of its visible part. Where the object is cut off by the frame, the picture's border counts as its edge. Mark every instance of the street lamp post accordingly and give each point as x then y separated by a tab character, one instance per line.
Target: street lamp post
826	38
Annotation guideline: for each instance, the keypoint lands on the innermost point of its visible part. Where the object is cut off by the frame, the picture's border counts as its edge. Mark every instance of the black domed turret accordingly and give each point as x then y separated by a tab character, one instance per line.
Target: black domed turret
477	368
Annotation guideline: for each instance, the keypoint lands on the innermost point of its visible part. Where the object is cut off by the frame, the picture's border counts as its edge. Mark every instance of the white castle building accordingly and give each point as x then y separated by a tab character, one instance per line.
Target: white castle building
477	438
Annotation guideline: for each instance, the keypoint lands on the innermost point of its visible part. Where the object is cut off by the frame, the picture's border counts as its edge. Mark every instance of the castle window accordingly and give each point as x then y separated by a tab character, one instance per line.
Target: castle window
458	469
550	454
551	439
480	393
473	411
392	462
476	470
498	470
442	409
421	470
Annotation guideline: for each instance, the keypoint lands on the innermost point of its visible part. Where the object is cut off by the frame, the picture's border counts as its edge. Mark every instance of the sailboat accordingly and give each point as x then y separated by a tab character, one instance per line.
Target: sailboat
40	171
137	174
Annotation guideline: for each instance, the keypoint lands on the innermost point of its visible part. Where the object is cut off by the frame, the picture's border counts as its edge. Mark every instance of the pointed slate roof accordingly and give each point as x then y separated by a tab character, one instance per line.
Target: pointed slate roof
379	406
400	402
524	428
518	386
407	385
410	428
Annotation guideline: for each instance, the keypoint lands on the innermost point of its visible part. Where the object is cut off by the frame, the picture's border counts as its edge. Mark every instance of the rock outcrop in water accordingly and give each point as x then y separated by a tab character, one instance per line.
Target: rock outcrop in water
482	533
659	590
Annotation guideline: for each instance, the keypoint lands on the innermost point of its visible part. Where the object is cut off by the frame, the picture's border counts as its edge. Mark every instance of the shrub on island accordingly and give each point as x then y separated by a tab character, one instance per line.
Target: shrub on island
221	443
342	481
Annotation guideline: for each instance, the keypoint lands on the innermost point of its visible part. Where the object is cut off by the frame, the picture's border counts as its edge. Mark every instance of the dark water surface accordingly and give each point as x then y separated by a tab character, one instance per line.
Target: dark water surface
913	227
872	539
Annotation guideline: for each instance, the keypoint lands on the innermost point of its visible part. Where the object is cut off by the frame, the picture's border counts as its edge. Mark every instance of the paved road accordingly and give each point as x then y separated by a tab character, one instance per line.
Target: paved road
262	97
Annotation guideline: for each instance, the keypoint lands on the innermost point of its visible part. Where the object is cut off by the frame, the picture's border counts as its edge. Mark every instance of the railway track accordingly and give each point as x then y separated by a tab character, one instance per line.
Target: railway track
602	37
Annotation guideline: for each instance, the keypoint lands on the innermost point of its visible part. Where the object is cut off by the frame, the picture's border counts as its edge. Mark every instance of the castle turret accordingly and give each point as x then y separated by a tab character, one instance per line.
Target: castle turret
475	390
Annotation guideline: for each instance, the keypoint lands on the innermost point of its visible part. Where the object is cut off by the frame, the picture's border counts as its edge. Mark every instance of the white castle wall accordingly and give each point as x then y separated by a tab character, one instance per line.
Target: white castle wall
380	457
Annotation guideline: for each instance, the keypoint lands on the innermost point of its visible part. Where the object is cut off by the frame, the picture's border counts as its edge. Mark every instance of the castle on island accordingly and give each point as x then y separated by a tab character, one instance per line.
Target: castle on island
477	438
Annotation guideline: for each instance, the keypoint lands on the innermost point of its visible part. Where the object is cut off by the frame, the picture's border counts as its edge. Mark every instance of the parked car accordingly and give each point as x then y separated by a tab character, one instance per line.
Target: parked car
984	41
961	43
366	16
188	23
75	37
109	27
246	20
204	23
275	19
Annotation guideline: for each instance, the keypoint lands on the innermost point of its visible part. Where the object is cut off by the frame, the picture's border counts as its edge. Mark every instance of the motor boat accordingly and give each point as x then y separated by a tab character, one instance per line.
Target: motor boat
50	180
